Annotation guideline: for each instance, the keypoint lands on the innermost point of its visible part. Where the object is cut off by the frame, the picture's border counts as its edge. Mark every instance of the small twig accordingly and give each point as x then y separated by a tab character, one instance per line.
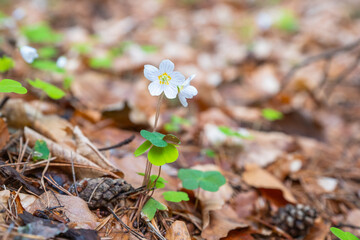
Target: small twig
93	192
120	144
4	101
274	228
325	55
73	175
137	235
53	182
154	230
43	182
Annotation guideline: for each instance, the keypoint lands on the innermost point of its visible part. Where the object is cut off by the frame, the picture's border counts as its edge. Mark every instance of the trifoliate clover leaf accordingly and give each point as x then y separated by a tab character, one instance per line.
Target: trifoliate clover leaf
6	64
160	182
343	235
150	208
41	151
154	137
169	138
47	65
173	196
9	85
271	114
159	156
210	180
51	90
142	148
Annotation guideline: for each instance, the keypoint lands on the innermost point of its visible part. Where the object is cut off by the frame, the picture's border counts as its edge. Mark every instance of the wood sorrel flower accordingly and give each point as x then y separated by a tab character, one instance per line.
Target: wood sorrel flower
29	54
187	91
163	79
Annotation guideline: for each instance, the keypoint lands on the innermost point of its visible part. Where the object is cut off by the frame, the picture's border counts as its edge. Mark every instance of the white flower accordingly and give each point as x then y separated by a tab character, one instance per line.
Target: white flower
264	20
61	62
187	91
163	79
29	54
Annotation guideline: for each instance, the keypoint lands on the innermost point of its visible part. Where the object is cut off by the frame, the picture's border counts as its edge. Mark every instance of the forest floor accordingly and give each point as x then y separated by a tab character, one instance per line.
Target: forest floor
277	113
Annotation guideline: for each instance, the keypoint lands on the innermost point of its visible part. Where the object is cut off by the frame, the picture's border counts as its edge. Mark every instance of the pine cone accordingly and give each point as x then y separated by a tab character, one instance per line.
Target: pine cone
295	220
102	192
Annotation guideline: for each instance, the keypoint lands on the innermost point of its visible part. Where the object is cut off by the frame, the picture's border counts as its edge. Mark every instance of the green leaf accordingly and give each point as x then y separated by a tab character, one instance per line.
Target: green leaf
162	155
160	182
150	208
82	48
287	21
209	152
226	130
190	178
169	138
271	114
6	64
149	49
47	52
154	137
209	180
47	65
67	82
142	148
101	62
9	85
173	196
41	33
41	151
50	90
343	235
212	180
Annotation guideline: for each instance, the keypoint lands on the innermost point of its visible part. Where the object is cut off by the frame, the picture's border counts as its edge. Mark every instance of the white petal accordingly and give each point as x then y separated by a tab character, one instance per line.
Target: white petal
151	72
177	78
155	88
61	62
189	92
183	100
170	91
28	53
188	80
166	66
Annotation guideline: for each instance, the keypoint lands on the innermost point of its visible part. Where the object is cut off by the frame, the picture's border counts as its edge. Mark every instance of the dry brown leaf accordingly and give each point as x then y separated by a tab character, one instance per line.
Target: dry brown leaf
85	148
178	231
244	203
211	201
262	179
57	150
319	231
221	222
74	208
25	199
4	133
98	92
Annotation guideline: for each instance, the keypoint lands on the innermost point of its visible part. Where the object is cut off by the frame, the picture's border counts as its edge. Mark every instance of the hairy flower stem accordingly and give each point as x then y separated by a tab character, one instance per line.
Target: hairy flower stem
148	164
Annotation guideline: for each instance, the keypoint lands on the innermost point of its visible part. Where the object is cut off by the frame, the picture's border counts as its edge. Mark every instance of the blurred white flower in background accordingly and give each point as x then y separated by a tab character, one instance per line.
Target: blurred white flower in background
29	54
186	91
61	62
264	20
164	79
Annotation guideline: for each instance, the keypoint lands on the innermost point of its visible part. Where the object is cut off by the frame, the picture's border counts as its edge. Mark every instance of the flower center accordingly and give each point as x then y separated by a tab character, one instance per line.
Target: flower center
164	78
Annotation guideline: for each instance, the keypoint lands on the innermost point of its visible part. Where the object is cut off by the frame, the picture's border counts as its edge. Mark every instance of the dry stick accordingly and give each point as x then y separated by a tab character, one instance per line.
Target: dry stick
8	231
43	182
310	60
120	144
53	182
154	230
343	75
73	174
3	101
137	235
274	228
197	197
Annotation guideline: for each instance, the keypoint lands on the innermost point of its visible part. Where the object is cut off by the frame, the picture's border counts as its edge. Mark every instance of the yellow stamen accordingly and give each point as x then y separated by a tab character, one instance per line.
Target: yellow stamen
164	78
